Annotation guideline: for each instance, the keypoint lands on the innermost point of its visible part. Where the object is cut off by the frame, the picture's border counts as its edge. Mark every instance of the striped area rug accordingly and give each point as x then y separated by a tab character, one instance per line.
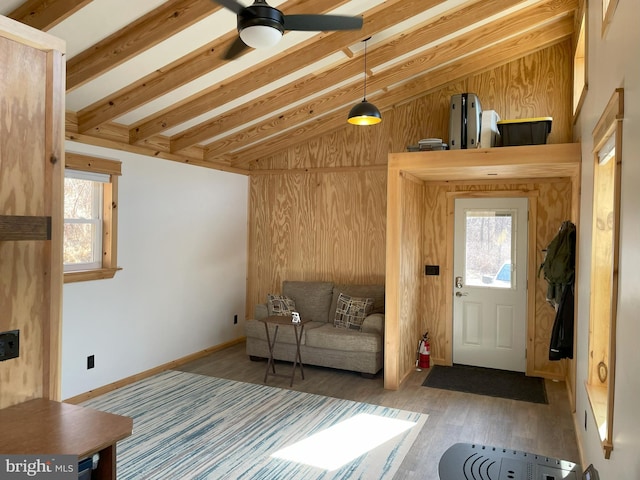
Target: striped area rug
189	426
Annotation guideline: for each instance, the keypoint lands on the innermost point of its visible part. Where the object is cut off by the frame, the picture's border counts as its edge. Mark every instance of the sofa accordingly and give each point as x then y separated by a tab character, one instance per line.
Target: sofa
345	328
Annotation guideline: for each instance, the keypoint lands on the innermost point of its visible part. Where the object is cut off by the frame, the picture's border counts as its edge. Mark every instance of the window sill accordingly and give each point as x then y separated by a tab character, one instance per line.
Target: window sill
87	275
598	399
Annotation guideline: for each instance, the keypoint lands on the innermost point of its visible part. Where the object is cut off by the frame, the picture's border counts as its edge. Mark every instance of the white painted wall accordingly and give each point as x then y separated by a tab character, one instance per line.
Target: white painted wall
613	62
182	244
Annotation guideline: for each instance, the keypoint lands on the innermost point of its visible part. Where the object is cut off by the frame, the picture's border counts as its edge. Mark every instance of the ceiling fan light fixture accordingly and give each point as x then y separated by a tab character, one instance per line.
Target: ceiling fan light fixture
364	113
260	36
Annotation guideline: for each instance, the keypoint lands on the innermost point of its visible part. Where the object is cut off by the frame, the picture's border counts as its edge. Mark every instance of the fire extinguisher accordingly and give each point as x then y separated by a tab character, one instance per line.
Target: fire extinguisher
425	352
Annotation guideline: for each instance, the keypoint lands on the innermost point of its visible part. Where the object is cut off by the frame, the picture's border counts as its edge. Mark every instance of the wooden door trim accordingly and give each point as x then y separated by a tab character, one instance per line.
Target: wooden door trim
532	197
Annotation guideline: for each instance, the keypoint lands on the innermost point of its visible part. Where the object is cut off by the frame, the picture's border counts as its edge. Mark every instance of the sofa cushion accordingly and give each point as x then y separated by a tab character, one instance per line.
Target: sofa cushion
312	299
255	329
351	311
374	323
330	338
362	291
280	305
260	311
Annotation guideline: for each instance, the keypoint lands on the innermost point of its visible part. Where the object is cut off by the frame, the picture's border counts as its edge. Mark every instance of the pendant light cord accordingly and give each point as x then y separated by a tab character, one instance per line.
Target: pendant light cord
365	69
364	97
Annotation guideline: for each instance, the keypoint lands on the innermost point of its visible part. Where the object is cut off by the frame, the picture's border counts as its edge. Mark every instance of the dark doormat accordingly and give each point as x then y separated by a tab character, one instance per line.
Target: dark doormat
487	381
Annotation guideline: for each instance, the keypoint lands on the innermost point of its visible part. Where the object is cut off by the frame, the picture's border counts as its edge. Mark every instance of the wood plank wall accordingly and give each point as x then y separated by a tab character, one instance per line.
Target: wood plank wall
326	219
31	166
411	309
316	226
23	283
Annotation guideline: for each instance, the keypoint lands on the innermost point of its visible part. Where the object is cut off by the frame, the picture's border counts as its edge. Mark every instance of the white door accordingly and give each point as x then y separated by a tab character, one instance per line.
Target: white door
490	280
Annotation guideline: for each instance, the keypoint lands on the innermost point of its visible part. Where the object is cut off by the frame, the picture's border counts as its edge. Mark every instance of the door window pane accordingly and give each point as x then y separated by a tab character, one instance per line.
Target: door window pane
489	242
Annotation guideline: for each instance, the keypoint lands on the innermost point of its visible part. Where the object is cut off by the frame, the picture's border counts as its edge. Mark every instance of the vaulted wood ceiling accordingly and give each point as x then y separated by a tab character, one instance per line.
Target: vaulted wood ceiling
147	76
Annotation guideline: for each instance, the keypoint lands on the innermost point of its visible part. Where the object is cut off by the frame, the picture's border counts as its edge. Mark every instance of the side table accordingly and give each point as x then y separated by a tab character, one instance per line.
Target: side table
44	426
298	329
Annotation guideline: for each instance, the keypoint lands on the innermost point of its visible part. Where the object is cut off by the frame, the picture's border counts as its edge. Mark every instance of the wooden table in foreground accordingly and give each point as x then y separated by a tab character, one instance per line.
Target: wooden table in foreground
43	426
298	329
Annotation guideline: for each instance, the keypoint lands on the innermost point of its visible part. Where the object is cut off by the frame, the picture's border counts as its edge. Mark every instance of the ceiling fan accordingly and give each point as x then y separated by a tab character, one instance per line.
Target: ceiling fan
261	25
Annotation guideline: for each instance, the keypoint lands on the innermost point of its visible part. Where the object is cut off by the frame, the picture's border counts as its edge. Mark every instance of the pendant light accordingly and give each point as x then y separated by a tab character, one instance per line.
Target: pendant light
364	113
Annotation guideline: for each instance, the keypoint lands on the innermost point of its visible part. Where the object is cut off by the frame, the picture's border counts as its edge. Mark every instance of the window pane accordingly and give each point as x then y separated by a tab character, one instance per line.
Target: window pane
82	224
79	243
488	247
79	198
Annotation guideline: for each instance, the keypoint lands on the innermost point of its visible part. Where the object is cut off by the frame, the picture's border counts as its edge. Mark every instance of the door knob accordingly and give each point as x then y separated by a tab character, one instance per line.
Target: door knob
461	294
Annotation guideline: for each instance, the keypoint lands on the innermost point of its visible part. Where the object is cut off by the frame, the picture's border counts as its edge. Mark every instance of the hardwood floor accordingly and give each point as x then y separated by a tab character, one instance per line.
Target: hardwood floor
453	417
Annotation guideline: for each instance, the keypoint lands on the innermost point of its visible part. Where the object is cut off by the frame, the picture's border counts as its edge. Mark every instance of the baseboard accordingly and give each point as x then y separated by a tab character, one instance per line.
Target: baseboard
148	373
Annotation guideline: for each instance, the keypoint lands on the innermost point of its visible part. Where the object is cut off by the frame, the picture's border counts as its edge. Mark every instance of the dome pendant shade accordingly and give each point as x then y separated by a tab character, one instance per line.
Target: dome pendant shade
364	113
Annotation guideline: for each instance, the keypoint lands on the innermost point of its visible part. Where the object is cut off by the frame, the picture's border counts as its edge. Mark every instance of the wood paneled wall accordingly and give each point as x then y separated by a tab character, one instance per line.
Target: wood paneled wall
24	285
434	288
31	165
411	314
315	226
326	218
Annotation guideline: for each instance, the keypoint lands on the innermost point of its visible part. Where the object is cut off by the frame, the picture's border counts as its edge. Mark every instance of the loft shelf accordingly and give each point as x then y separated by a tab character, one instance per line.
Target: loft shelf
500	163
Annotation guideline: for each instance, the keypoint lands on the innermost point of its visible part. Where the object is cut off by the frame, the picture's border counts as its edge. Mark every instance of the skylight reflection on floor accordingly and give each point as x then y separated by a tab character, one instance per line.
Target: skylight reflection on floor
338	445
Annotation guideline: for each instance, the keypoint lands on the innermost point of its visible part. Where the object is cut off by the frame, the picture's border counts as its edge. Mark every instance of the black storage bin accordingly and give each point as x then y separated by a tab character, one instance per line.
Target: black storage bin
527	131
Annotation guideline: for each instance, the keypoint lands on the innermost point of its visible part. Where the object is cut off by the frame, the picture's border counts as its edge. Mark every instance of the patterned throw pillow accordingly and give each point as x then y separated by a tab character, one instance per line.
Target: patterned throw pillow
351	311
280	305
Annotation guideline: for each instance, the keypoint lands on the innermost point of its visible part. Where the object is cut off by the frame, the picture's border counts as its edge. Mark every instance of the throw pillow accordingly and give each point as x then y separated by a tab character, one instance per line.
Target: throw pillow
280	305
351	311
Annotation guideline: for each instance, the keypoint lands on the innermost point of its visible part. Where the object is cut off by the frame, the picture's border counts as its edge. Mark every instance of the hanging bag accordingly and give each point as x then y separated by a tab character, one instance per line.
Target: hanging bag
559	262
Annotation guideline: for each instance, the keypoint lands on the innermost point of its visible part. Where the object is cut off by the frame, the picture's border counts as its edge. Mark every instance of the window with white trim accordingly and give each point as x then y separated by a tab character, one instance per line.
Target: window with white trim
83	194
90	217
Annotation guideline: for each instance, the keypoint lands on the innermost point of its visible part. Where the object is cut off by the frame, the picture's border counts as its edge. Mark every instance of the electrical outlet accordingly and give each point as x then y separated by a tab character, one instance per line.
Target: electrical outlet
235	319
91	362
9	344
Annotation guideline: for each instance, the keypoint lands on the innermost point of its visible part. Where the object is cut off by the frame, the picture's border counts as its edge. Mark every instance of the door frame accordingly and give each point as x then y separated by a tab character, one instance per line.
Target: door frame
532	196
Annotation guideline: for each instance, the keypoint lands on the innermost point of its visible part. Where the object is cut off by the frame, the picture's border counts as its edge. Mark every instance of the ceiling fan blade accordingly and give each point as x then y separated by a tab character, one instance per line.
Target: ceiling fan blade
236	48
321	23
232	5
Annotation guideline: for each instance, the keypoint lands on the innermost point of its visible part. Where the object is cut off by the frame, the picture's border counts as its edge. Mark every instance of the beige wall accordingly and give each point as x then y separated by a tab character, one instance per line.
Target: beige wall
612	62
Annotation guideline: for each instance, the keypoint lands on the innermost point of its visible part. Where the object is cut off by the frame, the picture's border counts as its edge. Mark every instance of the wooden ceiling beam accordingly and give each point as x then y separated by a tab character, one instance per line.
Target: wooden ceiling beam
46	14
177	74
472	41
147	31
115	136
155	84
118	133
446	24
378	19
491	57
